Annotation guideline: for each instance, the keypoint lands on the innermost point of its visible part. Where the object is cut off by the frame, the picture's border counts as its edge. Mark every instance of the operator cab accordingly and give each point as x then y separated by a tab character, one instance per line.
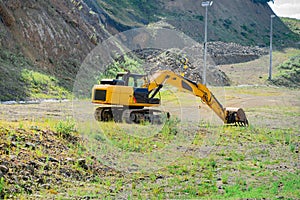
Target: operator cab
141	94
137	82
133	80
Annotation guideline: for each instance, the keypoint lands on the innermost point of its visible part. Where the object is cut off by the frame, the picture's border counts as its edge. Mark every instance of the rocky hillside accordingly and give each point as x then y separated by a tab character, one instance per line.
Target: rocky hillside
243	22
53	37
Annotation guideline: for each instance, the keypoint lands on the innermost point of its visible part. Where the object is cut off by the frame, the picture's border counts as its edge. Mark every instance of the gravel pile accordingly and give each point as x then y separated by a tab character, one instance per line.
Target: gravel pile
171	59
228	53
219	53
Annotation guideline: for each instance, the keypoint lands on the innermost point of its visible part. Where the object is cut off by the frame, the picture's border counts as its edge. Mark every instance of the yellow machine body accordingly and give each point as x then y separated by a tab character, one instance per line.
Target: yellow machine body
118	95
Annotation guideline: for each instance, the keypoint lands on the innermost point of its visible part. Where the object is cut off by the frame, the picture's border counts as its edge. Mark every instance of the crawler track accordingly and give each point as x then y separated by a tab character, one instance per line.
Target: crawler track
130	115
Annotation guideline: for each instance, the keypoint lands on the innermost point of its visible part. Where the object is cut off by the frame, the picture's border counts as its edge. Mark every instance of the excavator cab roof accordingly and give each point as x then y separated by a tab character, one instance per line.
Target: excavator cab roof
120	75
131	79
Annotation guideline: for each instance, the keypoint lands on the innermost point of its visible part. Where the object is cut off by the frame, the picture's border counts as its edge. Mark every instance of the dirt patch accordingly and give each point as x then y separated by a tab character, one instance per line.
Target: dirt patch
256	72
34	160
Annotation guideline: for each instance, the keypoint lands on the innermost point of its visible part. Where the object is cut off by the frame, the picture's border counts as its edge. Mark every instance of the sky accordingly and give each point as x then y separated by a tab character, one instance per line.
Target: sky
286	8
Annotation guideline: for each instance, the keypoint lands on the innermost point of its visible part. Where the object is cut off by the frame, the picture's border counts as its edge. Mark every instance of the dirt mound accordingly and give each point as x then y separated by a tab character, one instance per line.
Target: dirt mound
33	160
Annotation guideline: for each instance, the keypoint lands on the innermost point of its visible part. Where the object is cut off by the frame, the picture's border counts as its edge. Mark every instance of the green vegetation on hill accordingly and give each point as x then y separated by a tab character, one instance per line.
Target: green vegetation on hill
233	23
227	24
11	84
293	24
19	81
124	62
289	73
41	86
131	12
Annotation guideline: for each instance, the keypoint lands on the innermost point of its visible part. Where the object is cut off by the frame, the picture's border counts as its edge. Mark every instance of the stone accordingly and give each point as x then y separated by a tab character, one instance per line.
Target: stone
30	145
51	159
4	169
13	144
81	161
46	186
25	178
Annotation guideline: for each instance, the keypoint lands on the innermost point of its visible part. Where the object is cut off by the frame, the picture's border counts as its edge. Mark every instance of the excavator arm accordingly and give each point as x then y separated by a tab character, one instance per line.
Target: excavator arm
227	115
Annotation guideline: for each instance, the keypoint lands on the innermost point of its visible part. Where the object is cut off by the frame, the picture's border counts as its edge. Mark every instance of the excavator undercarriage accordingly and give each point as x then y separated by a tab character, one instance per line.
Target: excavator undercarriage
130	115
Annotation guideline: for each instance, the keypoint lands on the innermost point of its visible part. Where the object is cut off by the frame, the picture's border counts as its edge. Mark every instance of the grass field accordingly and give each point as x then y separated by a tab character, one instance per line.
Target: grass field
215	162
57	151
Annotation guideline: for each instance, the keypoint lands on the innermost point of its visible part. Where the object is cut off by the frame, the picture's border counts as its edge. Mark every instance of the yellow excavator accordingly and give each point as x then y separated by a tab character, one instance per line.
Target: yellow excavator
129	97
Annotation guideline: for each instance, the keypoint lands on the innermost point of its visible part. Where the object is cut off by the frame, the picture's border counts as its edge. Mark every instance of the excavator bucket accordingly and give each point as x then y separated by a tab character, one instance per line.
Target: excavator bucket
236	116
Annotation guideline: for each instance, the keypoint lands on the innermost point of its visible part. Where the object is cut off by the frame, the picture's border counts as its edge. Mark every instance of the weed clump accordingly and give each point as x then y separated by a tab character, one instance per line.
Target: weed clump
65	128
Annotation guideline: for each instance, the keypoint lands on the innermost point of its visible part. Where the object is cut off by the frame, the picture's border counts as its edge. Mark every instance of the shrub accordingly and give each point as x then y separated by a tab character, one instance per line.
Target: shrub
289	73
227	23
65	128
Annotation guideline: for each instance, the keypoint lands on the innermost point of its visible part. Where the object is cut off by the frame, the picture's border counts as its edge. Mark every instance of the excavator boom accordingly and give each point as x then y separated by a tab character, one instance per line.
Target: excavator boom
227	115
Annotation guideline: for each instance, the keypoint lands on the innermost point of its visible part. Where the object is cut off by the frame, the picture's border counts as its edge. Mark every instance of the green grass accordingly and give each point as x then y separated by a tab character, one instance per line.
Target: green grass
236	71
2	185
124	10
11	85
42	86
293	24
138	140
123	62
21	81
252	162
290	189
230	171
288	73
65	128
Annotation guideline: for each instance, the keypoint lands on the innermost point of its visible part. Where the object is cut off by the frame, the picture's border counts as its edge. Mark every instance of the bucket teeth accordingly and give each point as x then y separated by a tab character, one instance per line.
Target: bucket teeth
236	116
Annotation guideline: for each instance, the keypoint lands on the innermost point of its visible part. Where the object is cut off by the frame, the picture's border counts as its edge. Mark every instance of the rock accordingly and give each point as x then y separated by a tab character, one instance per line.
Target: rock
30	145
40	181
170	60
43	160
159	177
25	178
65	172
34	164
28	189
51	159
46	186
68	160
47	167
13	138
81	161
13	144
4	169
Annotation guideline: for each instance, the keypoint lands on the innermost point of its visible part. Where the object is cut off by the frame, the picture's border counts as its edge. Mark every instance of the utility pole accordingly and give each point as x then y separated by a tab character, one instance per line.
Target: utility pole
205	4
271	37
